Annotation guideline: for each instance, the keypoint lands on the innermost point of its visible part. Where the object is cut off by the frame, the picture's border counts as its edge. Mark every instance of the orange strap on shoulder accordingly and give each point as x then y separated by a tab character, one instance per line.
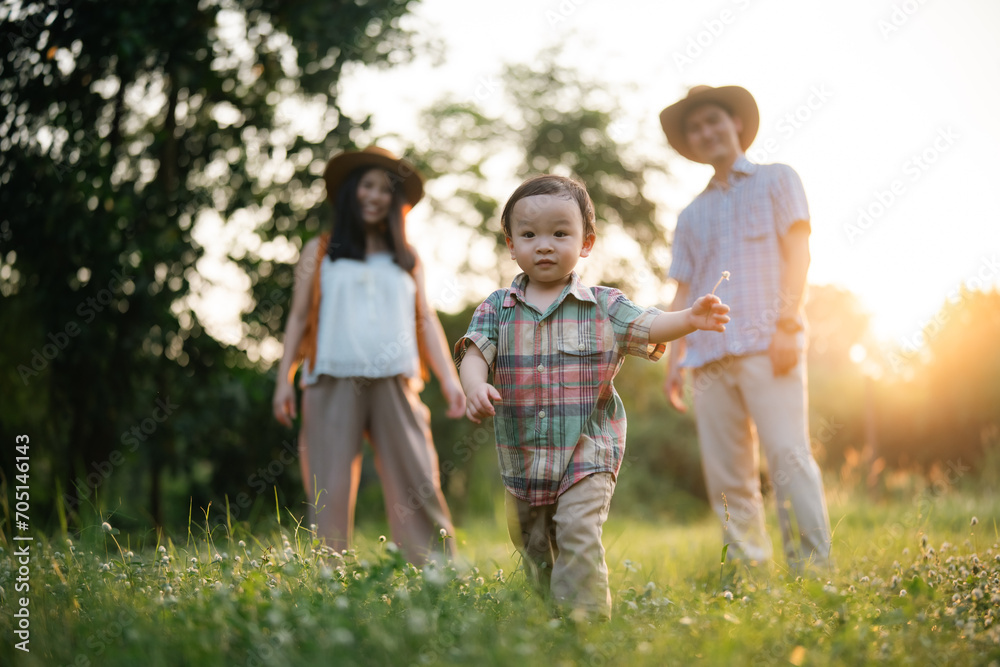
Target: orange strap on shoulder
308	343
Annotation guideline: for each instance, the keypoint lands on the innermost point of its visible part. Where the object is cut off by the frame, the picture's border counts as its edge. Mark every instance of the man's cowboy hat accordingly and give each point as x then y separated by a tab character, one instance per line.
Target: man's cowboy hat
736	100
401	173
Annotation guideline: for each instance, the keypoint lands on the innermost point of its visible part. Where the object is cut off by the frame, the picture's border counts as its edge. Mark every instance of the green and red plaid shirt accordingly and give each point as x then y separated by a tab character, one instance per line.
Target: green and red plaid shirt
560	419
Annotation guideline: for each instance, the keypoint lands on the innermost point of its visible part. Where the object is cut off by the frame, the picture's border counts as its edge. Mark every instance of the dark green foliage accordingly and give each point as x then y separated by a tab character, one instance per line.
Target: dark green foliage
120	127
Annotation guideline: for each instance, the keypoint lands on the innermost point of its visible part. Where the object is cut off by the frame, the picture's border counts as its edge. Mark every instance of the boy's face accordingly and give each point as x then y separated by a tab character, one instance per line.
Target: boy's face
548	238
712	134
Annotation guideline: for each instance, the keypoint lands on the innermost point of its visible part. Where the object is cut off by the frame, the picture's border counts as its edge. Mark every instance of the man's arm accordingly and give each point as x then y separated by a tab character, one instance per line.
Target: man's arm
795	251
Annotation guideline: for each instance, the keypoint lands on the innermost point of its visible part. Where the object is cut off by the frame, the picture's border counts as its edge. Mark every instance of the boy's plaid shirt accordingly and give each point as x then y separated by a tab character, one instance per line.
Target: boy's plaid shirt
560	419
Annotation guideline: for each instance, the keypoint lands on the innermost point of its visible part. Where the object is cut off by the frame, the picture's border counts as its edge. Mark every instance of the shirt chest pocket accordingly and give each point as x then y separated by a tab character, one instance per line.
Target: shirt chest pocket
577	339
757	219
580	368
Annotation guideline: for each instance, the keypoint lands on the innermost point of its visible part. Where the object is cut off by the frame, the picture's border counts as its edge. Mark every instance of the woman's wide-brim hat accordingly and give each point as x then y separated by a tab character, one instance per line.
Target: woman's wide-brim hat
402	173
738	101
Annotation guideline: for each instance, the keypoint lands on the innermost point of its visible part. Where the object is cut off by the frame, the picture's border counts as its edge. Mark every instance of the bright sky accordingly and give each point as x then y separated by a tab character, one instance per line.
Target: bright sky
885	107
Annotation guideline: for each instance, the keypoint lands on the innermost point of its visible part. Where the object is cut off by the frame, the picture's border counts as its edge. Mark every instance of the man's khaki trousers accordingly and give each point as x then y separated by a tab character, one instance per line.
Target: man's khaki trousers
738	401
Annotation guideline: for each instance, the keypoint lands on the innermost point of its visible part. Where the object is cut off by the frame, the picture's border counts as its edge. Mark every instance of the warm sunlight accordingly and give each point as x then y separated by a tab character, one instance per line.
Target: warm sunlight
880	108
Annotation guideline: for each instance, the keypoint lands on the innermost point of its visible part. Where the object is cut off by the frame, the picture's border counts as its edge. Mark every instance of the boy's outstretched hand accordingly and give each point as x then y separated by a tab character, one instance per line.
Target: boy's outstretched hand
479	402
708	313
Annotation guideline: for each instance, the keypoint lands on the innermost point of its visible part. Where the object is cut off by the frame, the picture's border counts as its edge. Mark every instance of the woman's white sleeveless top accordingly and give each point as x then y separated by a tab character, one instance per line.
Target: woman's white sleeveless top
367	320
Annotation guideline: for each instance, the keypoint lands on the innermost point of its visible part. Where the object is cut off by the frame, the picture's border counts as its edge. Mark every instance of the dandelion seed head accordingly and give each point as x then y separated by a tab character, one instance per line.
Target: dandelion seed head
974	521
443	533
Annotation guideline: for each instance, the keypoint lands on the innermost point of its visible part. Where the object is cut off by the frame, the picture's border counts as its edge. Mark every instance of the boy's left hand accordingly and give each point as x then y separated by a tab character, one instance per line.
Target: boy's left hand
708	313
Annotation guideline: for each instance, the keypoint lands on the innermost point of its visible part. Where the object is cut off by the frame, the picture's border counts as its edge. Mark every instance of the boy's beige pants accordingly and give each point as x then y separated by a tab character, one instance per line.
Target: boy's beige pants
735	399
336	415
561	543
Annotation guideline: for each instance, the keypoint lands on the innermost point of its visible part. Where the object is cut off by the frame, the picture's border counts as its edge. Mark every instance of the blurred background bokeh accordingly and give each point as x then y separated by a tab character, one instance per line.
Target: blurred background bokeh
160	169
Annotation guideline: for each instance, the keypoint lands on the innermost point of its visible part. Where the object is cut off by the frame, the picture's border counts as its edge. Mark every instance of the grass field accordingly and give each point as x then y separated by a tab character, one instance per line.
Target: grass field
917	582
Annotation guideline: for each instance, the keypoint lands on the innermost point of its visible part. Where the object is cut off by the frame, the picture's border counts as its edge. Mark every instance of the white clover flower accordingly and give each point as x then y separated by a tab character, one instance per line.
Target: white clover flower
902	593
381	539
434	575
417	621
162	549
342	636
106	527
216	558
728	596
974	521
977	594
242	544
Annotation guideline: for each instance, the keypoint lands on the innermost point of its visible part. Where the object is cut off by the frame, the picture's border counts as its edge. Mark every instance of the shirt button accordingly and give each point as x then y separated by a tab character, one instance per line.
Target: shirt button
581	347
541	368
541	414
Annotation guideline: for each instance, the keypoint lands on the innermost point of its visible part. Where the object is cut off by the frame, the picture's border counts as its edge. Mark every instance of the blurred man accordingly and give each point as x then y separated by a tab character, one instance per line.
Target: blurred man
751	221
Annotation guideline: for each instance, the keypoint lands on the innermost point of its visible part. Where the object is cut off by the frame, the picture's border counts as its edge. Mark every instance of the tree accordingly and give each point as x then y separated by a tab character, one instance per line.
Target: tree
558	122
122	130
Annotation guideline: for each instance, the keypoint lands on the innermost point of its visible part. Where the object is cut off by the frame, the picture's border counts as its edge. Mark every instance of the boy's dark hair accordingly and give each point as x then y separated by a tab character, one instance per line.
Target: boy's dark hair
550	184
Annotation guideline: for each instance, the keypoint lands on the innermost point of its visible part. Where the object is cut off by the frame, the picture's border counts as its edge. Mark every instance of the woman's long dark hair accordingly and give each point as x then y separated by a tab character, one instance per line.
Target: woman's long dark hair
348	237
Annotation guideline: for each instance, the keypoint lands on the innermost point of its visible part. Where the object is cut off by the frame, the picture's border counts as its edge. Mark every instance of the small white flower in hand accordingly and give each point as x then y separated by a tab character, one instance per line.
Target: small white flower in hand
725	276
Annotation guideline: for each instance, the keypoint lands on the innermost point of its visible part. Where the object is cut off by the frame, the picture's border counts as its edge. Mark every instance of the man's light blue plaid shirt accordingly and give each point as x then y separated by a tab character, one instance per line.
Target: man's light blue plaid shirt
737	227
